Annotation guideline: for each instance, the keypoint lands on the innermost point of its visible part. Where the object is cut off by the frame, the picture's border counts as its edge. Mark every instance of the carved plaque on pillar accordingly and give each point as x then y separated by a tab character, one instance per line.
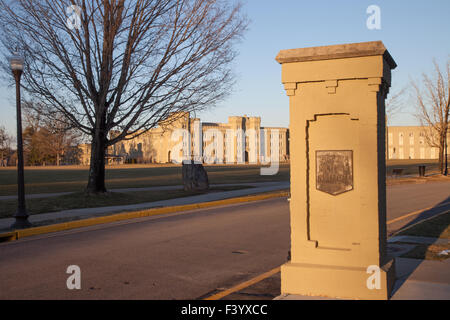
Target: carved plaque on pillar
334	171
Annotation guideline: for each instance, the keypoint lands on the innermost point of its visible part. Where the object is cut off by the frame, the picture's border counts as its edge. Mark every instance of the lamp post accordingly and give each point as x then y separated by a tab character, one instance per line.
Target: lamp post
446	154
21	216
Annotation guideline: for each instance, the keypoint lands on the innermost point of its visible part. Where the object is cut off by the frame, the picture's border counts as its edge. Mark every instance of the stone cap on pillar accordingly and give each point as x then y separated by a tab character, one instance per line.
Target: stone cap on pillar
341	51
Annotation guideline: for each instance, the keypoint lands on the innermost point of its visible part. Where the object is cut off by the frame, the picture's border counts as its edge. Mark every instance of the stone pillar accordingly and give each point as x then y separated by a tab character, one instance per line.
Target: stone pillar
338	190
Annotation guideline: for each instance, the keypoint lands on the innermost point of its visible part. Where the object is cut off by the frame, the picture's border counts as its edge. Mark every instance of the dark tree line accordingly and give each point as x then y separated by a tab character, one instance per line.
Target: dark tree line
6	152
48	141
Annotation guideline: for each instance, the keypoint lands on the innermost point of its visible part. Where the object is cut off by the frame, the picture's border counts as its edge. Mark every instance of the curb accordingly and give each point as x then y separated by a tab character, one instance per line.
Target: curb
22	233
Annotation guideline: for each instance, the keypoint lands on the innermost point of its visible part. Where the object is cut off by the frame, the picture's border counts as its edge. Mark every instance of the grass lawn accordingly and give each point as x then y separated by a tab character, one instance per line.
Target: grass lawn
81	200
438	227
65	179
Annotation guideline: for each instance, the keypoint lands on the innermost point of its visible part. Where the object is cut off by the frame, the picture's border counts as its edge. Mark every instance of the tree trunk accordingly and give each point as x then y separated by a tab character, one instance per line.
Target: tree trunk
96	182
441	154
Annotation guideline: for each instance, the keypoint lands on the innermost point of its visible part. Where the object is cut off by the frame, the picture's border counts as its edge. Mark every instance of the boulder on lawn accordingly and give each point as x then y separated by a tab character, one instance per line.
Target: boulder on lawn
195	177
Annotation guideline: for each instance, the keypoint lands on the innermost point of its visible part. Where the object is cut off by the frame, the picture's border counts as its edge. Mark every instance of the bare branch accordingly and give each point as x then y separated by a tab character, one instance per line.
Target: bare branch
129	64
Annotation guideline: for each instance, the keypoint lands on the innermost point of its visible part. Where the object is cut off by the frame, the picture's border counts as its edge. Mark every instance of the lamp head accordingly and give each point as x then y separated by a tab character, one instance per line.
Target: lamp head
16	62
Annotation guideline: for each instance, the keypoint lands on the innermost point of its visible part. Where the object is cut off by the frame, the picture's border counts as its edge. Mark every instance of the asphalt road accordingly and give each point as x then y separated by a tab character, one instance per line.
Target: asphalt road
179	256
403	199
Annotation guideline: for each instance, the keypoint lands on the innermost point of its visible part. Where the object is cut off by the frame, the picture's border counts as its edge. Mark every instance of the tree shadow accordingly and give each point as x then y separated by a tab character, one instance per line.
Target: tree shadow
405	268
438	208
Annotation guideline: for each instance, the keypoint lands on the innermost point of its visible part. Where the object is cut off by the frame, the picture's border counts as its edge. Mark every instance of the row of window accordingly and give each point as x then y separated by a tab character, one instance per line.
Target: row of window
424	153
401	138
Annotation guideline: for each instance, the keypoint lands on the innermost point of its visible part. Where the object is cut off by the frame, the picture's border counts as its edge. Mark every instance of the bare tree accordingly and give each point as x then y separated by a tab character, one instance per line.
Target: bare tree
122	65
5	146
46	139
59	139
394	104
433	109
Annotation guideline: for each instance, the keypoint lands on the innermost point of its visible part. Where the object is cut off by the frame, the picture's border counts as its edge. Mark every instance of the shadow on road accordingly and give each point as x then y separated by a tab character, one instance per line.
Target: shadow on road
438	208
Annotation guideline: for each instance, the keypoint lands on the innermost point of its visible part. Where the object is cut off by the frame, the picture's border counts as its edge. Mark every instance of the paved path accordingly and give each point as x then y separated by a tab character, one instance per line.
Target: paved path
403	199
125	190
183	255
87	212
429	281
175	256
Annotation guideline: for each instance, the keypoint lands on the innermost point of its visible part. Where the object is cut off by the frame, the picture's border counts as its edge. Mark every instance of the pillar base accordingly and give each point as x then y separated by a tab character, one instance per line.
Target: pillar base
335	281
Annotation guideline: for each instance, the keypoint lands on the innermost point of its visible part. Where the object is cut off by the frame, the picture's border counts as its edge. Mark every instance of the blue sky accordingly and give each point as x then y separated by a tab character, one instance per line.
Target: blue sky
414	32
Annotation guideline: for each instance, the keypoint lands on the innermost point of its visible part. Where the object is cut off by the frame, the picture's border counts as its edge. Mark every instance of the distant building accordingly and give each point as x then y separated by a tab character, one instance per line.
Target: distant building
241	140
222	143
410	142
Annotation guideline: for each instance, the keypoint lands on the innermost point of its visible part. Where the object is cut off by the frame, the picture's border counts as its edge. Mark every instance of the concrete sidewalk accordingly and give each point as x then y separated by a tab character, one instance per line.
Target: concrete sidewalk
125	190
84	213
422	279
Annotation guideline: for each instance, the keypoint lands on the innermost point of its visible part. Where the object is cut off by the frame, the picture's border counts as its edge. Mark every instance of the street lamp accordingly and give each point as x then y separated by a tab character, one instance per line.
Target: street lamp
16	63
446	154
